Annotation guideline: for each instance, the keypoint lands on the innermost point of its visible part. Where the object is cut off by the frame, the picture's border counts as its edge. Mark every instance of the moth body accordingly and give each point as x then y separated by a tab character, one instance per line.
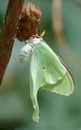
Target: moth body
46	71
28	49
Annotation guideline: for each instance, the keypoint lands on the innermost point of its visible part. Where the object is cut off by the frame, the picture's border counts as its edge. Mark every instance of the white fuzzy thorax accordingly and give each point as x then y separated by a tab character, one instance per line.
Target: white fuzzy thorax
28	49
34	40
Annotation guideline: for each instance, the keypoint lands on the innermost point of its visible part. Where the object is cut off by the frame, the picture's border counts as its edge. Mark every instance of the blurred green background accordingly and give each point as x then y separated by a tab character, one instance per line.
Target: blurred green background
56	112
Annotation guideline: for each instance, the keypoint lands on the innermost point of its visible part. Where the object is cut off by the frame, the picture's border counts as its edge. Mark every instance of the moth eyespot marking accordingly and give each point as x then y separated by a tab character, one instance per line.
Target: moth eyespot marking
43	68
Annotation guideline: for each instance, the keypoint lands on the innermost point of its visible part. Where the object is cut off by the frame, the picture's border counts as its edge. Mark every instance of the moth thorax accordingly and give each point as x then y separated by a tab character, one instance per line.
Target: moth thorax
34	40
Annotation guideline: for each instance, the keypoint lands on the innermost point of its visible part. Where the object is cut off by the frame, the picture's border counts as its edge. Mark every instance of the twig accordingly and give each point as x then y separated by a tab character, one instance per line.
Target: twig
8	33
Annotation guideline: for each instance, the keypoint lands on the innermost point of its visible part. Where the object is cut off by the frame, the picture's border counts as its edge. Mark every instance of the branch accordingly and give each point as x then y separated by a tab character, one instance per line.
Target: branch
8	33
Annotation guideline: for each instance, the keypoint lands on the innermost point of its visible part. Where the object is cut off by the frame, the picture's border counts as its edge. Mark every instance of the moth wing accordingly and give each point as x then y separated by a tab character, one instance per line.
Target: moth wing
47	70
62	87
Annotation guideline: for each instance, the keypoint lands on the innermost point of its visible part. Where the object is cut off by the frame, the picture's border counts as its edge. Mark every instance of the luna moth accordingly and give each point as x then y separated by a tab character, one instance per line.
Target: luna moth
46	71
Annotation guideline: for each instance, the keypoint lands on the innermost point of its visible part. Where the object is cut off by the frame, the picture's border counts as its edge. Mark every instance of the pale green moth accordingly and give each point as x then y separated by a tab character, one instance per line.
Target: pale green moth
46	71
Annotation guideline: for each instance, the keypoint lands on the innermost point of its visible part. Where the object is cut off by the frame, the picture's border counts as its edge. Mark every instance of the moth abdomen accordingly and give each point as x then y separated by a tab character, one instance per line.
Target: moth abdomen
26	52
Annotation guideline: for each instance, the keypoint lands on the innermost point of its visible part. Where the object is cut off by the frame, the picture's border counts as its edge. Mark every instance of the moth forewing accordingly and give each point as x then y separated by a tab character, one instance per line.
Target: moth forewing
63	86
